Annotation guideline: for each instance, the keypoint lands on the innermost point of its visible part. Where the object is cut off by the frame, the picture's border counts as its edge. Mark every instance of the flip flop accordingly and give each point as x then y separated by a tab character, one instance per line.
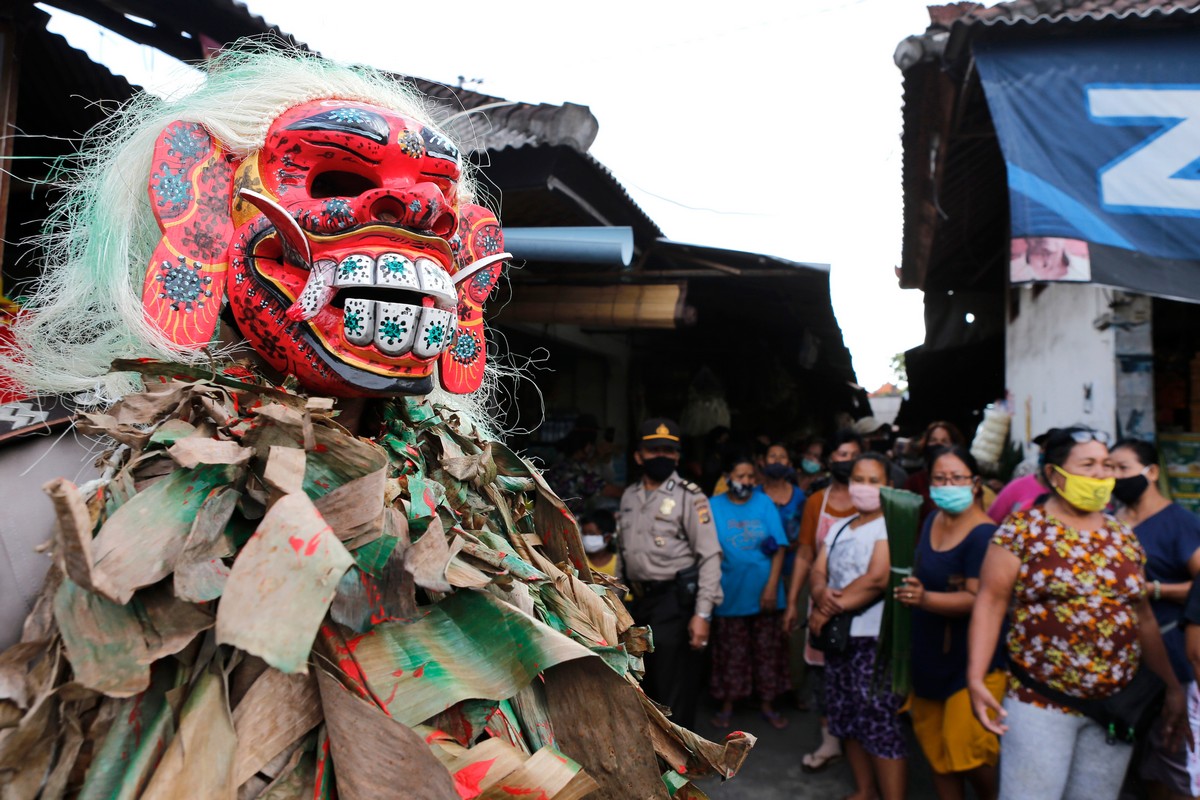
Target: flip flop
777	721
722	719
817	761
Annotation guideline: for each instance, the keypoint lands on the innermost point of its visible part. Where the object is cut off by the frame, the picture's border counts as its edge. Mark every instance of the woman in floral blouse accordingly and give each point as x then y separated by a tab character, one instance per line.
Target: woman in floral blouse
1080	623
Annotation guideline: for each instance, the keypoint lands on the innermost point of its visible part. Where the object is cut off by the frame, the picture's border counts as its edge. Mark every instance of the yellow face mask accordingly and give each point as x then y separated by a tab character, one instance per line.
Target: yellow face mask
1086	494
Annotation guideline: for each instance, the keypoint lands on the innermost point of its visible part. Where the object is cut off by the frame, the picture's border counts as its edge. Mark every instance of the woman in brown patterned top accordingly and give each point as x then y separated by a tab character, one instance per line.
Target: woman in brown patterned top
1080	623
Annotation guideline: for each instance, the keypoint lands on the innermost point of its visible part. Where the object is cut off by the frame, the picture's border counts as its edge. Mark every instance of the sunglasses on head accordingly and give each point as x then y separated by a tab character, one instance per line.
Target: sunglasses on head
1084	435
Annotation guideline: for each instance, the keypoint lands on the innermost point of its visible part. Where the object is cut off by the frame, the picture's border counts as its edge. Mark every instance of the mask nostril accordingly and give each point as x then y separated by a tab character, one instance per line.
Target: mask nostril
444	225
387	209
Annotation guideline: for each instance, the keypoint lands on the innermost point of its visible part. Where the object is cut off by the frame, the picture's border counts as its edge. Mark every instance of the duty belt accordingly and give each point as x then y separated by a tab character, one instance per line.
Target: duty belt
642	589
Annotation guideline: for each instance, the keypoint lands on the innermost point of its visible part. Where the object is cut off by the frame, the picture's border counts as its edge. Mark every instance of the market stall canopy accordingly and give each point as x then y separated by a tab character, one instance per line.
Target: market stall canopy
732	296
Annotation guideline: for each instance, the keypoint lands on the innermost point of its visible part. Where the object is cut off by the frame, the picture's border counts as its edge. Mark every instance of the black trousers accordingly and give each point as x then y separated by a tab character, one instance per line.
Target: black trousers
674	671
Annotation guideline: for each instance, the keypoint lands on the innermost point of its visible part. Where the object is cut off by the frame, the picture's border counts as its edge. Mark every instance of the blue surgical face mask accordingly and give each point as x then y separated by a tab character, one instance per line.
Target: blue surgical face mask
810	467
952	499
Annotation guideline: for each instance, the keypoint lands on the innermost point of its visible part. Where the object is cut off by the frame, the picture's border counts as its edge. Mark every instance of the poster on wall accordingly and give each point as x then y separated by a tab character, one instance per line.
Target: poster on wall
1179	454
1101	143
1049	258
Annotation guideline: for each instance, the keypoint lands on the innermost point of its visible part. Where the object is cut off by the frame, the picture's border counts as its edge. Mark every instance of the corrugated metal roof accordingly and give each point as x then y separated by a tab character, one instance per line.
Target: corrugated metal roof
485	122
1052	11
955	25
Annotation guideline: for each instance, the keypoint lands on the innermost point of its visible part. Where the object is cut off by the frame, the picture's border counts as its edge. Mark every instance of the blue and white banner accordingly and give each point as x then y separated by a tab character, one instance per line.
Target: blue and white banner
1101	139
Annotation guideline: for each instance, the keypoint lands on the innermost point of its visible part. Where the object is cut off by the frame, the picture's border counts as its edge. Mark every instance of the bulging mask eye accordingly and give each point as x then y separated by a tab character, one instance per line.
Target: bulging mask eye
339	183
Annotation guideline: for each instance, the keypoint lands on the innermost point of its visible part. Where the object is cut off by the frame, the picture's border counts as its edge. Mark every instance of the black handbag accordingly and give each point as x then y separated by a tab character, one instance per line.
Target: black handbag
835	634
1126	715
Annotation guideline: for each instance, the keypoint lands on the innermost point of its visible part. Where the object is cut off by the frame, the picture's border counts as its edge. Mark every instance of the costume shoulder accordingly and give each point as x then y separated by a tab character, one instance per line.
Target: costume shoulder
22	416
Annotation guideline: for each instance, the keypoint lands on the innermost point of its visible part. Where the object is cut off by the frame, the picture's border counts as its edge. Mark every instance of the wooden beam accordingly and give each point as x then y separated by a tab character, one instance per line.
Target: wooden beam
623	306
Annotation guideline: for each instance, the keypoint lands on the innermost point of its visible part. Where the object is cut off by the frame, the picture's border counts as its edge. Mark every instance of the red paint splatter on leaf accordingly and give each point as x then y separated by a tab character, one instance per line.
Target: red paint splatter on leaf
521	791
468	779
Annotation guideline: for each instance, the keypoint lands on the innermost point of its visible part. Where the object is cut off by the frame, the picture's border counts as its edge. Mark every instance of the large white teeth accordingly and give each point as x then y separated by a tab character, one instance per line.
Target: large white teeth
395	327
434	333
359	321
436	282
393	269
356	270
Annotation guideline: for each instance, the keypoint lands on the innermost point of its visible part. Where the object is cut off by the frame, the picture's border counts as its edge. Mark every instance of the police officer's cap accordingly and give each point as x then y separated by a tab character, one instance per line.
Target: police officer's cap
659	432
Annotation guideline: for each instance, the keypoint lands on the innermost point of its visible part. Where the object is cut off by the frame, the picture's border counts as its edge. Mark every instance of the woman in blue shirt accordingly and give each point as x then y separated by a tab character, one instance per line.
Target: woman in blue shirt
749	650
940	592
1170	535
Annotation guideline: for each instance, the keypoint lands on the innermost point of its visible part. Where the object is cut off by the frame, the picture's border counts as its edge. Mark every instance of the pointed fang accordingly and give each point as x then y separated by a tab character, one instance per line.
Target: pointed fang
317	292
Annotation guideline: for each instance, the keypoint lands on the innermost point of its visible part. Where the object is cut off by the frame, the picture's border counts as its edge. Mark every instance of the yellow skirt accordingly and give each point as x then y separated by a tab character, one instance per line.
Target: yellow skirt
950	736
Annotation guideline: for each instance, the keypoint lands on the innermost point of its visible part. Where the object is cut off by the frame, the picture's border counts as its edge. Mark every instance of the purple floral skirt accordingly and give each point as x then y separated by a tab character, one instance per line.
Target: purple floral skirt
857	712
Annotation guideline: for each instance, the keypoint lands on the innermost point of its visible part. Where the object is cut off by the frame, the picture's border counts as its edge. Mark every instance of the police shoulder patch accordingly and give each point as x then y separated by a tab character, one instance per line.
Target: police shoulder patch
691	487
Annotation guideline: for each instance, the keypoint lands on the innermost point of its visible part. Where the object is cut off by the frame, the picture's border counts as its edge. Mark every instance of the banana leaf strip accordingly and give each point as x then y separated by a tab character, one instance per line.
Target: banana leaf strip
200	759
902	515
287	573
467	646
377	754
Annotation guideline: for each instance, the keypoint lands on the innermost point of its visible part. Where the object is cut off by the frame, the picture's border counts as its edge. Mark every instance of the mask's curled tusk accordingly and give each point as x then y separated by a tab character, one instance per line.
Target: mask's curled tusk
476	266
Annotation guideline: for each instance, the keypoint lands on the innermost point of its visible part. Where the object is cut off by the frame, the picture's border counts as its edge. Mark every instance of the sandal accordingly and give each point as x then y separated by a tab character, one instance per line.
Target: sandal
777	721
817	761
721	720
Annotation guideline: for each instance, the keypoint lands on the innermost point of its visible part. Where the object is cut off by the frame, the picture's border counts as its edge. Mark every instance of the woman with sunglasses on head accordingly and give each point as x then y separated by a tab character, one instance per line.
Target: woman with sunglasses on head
940	592
1080	627
1170	534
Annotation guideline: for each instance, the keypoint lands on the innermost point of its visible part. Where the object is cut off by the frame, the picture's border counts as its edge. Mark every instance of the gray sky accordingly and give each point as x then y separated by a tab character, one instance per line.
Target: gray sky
756	125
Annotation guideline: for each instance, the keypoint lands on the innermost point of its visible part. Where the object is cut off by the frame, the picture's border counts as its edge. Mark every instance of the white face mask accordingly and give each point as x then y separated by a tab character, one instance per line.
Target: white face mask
593	544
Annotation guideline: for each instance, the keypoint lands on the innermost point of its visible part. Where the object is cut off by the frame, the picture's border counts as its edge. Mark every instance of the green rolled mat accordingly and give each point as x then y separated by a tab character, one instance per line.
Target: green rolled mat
902	514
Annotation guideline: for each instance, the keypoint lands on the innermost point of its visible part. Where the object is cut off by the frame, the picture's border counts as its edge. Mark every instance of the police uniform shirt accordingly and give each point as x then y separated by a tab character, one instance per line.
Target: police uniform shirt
667	530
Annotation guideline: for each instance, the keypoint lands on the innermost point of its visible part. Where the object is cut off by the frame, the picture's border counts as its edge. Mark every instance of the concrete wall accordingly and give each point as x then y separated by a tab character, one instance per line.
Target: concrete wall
1059	368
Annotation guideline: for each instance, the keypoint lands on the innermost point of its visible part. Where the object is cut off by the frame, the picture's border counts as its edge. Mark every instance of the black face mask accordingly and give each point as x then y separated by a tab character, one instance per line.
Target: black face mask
840	470
658	468
778	471
1129	490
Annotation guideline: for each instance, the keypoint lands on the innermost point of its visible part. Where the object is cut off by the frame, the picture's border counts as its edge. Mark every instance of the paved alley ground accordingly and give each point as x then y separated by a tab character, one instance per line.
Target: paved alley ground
772	772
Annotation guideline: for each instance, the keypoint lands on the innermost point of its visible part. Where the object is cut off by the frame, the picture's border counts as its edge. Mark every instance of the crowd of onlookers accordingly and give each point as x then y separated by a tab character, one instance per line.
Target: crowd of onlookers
1052	652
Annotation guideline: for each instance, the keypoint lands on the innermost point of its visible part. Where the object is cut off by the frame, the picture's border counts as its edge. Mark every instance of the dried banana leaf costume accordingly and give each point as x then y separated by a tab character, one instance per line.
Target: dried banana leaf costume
254	601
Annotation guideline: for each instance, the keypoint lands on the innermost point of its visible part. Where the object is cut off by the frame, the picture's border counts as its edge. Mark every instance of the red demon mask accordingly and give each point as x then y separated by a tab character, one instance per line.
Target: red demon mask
345	256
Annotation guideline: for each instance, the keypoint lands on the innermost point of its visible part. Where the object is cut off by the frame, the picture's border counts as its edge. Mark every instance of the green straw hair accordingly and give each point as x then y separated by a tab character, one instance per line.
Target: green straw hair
85	310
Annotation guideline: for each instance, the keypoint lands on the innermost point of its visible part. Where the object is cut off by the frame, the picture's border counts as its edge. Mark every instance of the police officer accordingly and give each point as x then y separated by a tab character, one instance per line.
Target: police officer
672	563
